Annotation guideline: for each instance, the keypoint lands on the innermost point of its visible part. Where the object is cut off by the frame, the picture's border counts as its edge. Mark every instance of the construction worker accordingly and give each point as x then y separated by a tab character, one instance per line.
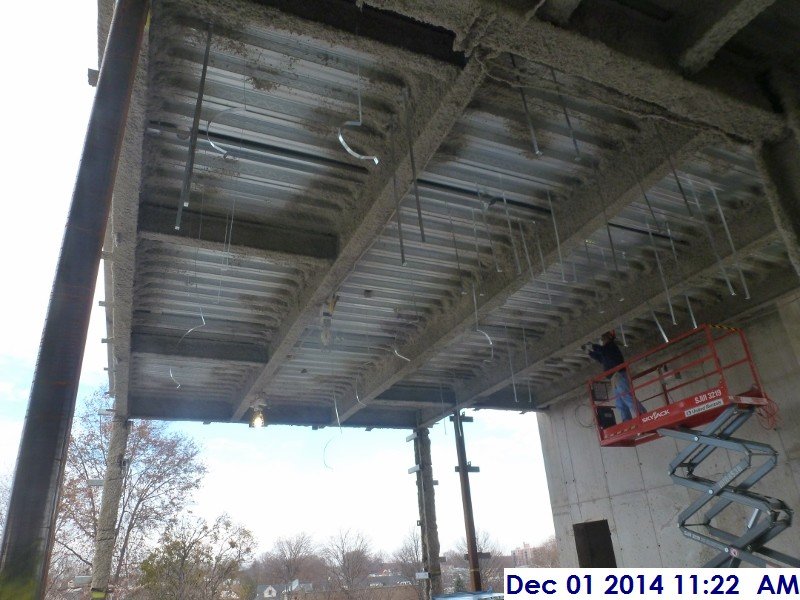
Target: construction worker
609	355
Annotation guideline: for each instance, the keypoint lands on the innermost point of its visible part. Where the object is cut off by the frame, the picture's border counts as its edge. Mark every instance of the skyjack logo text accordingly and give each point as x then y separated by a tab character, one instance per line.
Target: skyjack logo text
654	416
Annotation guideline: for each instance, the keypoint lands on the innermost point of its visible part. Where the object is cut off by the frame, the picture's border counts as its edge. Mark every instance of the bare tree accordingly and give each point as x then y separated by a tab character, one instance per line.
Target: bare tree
291	554
409	560
163	469
270	568
197	561
491	568
545	555
348	558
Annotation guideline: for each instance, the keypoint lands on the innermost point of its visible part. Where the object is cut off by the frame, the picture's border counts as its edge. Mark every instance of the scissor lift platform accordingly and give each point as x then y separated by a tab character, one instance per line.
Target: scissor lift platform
691	412
678	387
683	383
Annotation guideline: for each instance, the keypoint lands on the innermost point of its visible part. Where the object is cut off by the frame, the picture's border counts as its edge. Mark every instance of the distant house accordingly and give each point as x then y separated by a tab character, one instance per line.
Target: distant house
282	592
388	580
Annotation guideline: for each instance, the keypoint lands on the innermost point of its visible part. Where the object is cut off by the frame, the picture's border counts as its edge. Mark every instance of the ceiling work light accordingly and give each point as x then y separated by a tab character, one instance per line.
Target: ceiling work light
257	419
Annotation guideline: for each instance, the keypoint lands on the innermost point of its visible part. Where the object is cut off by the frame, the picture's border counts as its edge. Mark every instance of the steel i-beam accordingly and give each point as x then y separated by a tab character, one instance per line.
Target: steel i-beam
28	536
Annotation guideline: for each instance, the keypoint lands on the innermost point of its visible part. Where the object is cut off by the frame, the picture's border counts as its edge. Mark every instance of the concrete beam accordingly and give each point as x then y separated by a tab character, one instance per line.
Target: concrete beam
402	44
121	239
779	165
277	244
166	346
411	397
313	415
578	217
559	11
178	409
751	229
710	29
728	310
435	112
740	109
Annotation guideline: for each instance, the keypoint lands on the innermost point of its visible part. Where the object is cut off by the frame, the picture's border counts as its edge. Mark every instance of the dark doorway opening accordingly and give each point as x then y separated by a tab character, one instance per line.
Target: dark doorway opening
593	542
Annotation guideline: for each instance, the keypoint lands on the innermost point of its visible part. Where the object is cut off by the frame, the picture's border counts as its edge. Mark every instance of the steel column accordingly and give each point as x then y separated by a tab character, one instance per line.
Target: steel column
466	500
28	537
427	512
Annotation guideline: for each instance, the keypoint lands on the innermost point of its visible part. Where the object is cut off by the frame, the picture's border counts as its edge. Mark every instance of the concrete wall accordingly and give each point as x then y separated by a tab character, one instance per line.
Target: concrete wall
630	487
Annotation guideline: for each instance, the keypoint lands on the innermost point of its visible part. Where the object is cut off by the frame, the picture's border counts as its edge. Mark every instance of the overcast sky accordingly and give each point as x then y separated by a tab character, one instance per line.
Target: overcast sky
277	480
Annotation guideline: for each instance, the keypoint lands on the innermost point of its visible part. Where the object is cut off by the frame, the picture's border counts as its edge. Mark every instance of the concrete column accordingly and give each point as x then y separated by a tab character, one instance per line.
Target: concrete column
789	313
427	512
779	165
786	85
109	507
28	536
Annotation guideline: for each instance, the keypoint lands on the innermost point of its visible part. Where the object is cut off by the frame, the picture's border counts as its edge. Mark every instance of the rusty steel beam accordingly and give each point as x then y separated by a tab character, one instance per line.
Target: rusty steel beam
29	530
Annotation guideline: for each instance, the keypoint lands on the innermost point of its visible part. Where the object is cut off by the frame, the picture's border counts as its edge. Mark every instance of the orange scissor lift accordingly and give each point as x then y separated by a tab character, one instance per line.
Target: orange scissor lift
700	388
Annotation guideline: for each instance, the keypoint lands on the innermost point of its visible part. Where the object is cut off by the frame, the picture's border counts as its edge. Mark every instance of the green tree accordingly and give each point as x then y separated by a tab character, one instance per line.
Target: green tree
197	561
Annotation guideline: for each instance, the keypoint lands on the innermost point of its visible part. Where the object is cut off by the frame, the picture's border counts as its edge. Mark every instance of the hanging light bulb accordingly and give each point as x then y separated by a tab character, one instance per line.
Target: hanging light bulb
257	420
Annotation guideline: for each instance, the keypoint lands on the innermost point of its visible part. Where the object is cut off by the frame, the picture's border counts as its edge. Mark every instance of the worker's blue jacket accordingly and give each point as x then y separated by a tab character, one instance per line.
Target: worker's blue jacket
609	355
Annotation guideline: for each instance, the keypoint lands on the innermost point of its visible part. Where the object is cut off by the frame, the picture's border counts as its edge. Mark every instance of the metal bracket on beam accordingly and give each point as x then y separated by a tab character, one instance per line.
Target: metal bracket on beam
414	469
480	555
411	437
435	482
464	419
422	575
470	469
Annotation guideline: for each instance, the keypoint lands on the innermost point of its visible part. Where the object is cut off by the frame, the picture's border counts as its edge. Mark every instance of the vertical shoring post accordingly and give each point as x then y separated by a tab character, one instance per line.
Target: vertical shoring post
113	484
429	531
466	500
29	530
